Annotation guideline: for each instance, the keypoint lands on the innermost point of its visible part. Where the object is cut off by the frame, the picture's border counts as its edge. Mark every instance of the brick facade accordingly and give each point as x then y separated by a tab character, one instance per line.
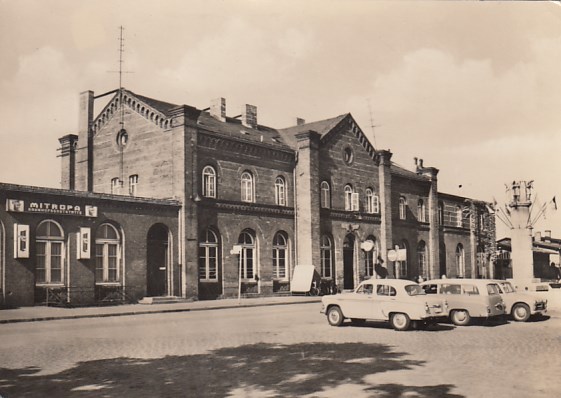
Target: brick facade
247	187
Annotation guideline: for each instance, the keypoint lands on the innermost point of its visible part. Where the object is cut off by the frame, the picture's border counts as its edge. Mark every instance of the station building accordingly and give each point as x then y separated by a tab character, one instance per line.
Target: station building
196	204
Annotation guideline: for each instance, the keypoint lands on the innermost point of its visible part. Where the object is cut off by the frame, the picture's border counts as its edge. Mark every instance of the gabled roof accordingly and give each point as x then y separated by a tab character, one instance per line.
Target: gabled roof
403	172
321	127
161	106
234	128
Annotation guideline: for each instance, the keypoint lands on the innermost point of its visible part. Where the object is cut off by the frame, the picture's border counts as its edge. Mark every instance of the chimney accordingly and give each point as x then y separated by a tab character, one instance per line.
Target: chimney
84	152
249	116
547	233
218	109
67	149
537	236
300	121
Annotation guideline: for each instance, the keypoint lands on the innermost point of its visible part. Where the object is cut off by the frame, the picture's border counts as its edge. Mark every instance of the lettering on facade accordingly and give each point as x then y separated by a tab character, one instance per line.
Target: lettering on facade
15	205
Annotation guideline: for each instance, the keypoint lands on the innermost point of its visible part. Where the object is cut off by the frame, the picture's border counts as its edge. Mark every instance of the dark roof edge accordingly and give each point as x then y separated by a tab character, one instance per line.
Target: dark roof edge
87	195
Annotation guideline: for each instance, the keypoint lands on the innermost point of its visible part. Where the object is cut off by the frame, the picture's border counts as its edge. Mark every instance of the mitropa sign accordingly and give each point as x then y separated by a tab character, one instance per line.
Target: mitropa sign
21	206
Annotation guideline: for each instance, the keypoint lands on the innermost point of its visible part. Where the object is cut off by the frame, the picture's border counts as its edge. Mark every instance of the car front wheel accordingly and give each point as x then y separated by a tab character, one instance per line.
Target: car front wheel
460	317
521	312
335	316
400	321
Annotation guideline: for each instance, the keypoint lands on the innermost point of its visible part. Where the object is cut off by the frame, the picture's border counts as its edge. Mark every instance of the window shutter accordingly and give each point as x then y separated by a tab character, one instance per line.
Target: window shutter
21	241
354	201
84	243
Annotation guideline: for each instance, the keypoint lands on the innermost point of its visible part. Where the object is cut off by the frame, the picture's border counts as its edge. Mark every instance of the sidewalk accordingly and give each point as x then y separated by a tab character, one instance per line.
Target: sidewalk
43	313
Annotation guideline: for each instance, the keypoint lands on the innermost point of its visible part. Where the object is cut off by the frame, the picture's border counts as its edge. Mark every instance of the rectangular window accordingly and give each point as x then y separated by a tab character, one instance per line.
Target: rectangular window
41	266
279	263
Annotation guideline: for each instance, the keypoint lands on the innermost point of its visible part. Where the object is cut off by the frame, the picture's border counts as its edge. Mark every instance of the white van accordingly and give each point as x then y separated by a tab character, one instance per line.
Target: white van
463	299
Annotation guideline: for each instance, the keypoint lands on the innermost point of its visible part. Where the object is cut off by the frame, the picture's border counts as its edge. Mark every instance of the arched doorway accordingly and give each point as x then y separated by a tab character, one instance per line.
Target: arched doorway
157	257
348	262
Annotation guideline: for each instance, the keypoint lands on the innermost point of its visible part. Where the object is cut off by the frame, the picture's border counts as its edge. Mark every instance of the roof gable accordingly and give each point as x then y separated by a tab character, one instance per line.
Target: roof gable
158	112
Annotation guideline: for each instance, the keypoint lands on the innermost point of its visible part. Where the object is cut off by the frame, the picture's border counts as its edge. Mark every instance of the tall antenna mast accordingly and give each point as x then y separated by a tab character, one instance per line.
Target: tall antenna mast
121	52
372	125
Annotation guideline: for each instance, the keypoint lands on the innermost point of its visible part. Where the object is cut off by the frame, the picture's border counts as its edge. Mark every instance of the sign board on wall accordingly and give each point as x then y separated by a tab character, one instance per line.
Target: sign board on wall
21	241
21	206
84	246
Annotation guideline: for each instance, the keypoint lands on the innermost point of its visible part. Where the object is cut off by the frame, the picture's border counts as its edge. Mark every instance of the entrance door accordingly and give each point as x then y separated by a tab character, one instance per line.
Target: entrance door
348	262
157	261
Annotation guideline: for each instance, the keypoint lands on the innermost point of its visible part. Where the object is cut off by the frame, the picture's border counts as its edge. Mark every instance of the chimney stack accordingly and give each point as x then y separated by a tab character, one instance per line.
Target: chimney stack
547	233
84	154
537	236
300	121
218	109
67	149
249	116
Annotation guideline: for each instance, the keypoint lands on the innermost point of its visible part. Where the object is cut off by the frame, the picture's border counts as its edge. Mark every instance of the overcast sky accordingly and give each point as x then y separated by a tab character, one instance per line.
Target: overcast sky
473	88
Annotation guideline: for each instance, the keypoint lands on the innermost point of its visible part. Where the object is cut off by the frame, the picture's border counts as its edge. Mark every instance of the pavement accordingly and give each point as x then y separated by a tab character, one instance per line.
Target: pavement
44	313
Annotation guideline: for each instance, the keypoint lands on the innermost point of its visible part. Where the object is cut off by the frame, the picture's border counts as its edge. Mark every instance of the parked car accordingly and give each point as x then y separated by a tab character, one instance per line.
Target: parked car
520	305
464	299
395	300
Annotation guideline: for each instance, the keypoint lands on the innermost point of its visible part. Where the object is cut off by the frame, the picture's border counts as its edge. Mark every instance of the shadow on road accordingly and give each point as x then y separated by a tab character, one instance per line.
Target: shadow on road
259	370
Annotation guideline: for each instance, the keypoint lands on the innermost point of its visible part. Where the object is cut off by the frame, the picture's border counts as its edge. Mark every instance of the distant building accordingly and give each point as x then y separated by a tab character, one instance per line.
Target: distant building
545	250
231	198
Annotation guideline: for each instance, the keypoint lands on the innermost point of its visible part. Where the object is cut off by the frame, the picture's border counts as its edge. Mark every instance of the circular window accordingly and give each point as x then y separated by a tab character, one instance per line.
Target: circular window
122	138
348	155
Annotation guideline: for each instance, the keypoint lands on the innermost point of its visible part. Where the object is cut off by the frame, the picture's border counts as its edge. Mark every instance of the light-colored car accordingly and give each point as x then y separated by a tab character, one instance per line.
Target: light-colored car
464	299
395	300
520	305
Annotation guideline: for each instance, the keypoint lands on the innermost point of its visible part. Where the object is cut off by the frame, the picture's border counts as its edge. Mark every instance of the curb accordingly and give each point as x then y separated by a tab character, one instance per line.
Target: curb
146	312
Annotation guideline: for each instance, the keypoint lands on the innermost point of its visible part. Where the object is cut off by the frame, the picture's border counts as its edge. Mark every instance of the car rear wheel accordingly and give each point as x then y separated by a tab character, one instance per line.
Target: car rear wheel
521	312
334	316
460	317
400	321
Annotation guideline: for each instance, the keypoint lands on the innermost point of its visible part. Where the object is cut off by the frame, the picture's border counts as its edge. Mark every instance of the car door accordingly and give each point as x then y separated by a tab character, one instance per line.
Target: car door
384	300
359	304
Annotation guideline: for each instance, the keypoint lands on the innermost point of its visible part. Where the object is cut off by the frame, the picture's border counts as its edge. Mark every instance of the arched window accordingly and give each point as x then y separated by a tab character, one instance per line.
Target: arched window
421	211
325	195
369	201
326	250
459	216
440	213
49	245
247	187
209	182
348	197
402	208
247	242
280	258
208	256
107	254
370	257
422	259
460	260
280	191
133	184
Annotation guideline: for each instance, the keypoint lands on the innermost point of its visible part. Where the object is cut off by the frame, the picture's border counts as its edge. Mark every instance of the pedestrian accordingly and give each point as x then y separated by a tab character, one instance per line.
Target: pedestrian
556	271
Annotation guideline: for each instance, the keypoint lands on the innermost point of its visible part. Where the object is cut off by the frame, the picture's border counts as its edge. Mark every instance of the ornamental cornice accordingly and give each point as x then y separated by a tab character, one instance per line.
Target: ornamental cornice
247	208
135	104
238	146
351	216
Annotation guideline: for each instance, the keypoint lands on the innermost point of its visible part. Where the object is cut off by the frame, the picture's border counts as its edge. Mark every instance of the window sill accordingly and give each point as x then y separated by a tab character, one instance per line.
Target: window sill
108	283
46	284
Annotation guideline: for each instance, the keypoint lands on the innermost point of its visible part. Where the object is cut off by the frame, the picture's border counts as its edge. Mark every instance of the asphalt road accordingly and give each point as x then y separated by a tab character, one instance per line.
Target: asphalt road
278	351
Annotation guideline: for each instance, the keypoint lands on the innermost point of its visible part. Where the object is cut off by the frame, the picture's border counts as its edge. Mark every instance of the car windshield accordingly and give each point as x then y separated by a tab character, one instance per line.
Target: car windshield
507	287
414	290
